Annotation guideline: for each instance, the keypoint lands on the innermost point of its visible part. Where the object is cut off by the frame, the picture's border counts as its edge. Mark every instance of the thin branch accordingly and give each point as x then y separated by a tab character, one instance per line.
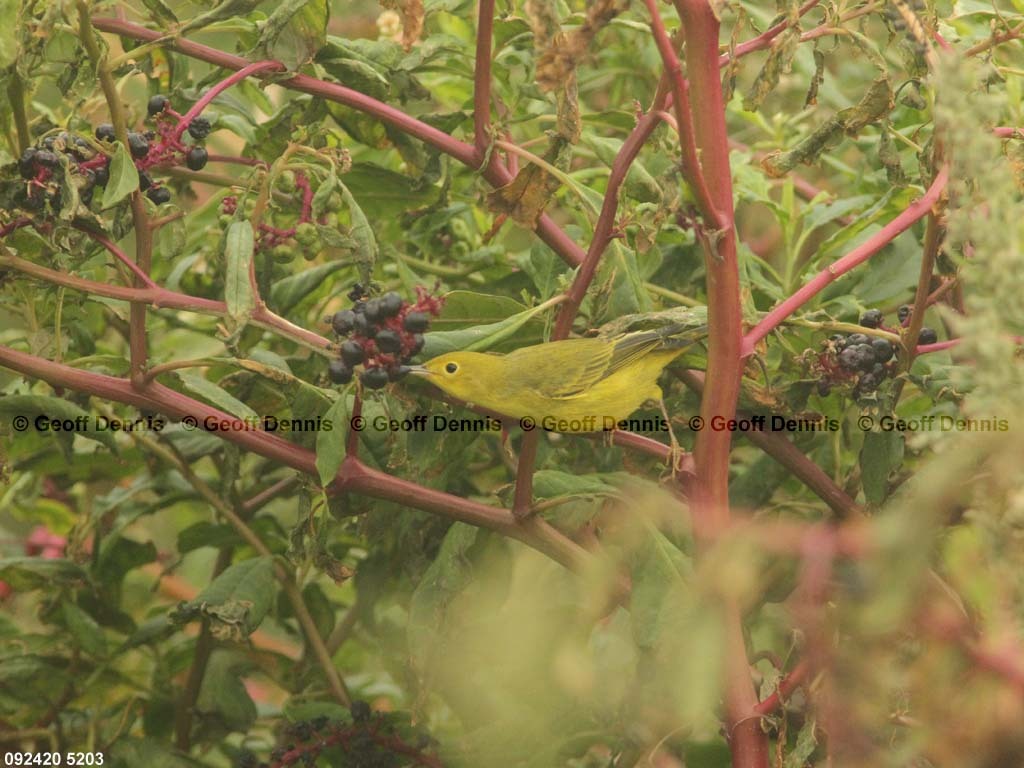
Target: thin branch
247	71
287	582
163	298
854	258
143	233
692	169
482	81
495	174
764	40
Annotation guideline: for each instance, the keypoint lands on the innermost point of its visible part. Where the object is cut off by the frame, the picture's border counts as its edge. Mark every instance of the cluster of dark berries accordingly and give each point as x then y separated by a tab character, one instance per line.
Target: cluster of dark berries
864	356
873	318
163	147
370	740
867	359
382	334
55	161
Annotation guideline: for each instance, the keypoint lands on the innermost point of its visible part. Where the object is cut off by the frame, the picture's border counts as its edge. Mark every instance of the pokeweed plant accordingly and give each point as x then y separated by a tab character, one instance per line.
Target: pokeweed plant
222	546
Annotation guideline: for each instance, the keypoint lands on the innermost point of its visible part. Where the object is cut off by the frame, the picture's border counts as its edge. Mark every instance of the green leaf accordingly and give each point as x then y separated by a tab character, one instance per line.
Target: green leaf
480	337
384	193
160	12
881	454
8	33
42	407
84	629
26	573
286	293
238	246
295	31
359	76
446	577
236	601
223	695
216	395
806	743
362	233
658	580
330	444
124	178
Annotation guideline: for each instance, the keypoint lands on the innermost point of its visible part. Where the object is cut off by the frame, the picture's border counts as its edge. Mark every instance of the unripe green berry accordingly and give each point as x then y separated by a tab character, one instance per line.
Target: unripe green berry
306	234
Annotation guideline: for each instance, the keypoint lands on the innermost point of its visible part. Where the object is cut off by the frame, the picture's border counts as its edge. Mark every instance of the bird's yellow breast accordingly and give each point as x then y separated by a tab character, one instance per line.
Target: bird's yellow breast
516	385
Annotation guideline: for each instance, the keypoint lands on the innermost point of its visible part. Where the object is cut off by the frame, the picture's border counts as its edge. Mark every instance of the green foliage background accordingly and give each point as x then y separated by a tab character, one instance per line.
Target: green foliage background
503	656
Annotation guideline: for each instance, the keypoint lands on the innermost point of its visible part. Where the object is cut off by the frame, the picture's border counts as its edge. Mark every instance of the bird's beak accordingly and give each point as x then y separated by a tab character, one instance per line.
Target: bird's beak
418	370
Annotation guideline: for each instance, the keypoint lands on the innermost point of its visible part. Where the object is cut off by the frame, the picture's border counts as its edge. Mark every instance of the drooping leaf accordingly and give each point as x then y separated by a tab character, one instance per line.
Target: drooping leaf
216	395
54	415
330	443
881	454
238	248
236	601
124	177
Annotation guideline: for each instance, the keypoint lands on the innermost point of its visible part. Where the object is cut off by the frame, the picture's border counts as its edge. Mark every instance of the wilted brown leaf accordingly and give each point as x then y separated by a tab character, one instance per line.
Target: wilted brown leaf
412	14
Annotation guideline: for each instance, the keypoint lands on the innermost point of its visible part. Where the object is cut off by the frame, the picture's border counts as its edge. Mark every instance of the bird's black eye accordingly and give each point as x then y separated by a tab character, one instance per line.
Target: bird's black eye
451	367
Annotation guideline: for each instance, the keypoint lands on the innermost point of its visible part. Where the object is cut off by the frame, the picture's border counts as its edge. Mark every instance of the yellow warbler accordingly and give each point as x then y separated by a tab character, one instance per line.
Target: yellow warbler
583	385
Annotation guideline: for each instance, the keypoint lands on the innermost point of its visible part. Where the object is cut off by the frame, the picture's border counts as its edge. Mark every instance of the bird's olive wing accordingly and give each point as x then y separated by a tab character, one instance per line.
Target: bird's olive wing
567	369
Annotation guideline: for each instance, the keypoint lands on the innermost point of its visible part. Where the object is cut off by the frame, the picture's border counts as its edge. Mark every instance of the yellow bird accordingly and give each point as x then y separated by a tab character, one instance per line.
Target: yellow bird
575	385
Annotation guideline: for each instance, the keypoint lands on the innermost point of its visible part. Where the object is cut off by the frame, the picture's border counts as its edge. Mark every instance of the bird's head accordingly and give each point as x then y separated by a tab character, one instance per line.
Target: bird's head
462	374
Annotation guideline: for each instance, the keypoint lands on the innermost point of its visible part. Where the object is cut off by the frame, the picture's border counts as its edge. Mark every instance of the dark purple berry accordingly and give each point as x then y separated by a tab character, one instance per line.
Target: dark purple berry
398	372
883	350
338	372
47	159
27	163
105	132
857	338
417	344
352	353
363	326
157	104
868	383
374	378
343	321
138	144
159	195
196	158
416	322
372	311
857	357
199	128
927	336
871	319
903	313
389	341
357	292
102	176
824	388
145	181
390	304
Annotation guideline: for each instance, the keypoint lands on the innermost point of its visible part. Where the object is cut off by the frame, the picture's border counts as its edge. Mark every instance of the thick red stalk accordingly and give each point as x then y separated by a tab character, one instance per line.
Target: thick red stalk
854	258
710	498
353	475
